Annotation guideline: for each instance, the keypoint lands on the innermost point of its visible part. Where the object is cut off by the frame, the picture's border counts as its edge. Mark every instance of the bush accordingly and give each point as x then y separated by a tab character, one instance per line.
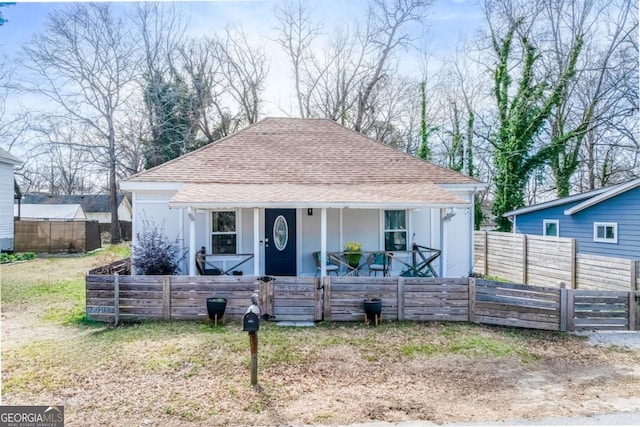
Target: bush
6	258
154	254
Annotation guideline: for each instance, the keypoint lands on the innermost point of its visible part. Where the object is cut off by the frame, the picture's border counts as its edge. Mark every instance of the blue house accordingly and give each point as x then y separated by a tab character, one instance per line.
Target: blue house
604	222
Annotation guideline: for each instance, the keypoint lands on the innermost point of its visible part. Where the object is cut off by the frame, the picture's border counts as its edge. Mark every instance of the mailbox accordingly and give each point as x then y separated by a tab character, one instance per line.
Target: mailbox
251	322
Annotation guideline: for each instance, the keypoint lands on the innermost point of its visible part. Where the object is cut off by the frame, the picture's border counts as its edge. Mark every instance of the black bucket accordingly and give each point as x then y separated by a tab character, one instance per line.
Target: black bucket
216	307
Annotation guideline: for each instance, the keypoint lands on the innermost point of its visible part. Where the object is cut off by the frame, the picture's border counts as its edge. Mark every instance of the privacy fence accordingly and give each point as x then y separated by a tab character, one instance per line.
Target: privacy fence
112	298
56	236
549	261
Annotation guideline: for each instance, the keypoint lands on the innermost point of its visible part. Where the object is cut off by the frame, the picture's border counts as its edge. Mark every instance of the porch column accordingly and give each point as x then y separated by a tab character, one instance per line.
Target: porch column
256	241
192	241
323	242
443	244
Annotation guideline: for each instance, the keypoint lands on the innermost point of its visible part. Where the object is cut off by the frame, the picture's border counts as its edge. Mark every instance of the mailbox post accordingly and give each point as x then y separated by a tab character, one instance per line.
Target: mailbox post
251	324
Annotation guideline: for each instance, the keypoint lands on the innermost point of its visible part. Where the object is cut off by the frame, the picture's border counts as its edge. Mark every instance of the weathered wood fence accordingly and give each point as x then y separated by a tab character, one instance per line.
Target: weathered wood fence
56	236
548	261
112	298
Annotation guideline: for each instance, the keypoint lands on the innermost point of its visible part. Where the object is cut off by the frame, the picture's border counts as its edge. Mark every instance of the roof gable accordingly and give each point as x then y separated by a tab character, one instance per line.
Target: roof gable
6	157
299	151
579	201
610	193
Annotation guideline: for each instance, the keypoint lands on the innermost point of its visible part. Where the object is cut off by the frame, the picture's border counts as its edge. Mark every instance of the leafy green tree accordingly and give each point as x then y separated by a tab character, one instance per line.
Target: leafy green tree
521	115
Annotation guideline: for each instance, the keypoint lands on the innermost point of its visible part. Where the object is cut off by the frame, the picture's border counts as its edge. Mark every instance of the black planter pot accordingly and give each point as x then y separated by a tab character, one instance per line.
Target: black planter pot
216	307
373	307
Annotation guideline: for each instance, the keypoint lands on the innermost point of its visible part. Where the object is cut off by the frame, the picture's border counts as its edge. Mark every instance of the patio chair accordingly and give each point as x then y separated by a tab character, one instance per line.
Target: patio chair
379	261
332	265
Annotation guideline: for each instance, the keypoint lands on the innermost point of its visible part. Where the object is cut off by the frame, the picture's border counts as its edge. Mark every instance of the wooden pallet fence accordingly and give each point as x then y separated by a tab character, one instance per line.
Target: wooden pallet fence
344	296
188	295
606	273
549	261
296	299
111	298
435	299
600	310
510	304
114	298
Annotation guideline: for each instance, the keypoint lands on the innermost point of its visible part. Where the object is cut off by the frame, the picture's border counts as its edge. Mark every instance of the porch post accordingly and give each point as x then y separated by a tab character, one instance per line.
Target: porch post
323	242
256	241
443	244
192	241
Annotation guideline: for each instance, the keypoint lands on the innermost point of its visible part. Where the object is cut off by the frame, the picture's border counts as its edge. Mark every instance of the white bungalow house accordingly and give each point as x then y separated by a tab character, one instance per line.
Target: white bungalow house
7	193
283	188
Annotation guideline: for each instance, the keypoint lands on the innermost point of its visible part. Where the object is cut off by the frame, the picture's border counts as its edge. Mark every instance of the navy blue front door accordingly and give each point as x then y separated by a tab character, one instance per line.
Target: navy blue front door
280	242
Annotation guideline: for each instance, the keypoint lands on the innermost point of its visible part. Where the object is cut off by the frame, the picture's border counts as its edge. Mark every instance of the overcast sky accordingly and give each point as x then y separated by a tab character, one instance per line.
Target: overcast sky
447	20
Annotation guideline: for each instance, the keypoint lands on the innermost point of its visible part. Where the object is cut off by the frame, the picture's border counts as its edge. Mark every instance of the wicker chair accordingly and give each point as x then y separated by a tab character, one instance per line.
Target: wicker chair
379	261
332	265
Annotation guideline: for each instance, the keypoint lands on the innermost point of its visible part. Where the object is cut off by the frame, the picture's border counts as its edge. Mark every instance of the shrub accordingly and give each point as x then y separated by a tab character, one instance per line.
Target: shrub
154	253
6	258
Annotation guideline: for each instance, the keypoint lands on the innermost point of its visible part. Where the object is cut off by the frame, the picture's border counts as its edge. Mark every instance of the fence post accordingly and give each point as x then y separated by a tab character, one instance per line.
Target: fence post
166	297
563	307
525	260
400	298
633	311
570	304
634	275
472	299
326	280
318	299
116	299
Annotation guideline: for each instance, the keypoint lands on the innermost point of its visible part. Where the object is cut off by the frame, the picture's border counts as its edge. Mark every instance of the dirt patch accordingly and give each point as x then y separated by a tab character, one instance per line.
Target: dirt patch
177	374
168	383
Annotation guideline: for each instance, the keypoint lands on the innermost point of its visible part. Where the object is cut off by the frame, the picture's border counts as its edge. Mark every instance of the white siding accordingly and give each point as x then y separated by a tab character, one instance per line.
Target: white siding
458	240
6	206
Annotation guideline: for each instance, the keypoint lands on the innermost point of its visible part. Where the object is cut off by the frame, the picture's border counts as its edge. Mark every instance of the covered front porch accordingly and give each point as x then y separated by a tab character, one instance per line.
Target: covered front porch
282	240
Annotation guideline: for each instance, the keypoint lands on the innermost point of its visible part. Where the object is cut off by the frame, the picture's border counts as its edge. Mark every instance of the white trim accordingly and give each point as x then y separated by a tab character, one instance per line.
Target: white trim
614	225
238	232
392	230
556	202
192	243
323	240
256	241
474	187
614	191
550	221
318	205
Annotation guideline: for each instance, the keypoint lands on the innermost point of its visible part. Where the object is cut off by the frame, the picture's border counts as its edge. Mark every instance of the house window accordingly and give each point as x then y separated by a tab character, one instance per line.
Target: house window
224	235
551	227
605	232
395	230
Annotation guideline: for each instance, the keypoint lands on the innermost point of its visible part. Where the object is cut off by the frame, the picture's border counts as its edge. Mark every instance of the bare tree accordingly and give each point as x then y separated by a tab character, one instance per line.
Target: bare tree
84	63
244	68
296	32
387	28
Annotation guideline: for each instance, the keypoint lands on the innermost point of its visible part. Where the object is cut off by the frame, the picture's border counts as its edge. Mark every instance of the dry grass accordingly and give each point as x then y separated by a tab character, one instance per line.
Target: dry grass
189	373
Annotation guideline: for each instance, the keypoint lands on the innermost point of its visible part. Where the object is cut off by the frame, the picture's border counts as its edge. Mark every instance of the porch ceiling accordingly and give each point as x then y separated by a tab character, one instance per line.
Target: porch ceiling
218	195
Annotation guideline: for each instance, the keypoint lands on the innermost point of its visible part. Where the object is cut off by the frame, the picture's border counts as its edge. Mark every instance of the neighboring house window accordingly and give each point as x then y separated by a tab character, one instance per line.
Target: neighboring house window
224	235
395	230
605	232
551	227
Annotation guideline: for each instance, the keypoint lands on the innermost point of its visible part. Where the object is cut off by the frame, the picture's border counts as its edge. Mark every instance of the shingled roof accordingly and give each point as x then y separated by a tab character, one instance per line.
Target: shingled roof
288	159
